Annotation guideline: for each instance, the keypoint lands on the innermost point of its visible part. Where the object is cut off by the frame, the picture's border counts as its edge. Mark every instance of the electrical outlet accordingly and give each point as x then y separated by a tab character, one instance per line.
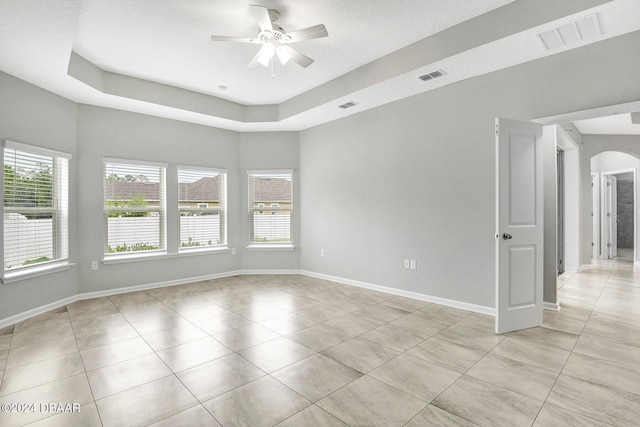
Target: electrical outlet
321	252
412	264
233	251
406	263
94	265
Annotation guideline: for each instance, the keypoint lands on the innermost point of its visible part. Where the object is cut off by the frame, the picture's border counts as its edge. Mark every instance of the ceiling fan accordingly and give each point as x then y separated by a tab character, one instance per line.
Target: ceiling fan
274	39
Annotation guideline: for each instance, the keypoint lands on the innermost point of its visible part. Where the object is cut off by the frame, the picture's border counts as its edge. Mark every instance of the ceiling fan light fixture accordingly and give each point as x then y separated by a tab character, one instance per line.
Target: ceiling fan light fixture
275	39
266	53
283	54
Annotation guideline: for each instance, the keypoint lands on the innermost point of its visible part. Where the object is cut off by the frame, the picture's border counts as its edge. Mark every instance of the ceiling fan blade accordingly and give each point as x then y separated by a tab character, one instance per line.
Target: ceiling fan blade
315	32
261	15
303	60
234	39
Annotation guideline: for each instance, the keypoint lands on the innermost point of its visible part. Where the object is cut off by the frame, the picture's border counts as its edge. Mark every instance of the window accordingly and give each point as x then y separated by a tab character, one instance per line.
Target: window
134	207
36	208
269	228
202	205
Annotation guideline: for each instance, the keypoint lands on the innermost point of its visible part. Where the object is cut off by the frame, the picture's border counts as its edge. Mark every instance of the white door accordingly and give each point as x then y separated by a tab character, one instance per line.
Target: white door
611	218
519	226
595	217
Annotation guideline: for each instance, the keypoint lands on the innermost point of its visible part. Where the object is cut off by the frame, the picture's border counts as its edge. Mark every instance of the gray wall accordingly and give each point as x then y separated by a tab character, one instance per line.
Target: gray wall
270	150
105	132
91	133
415	178
34	116
412	179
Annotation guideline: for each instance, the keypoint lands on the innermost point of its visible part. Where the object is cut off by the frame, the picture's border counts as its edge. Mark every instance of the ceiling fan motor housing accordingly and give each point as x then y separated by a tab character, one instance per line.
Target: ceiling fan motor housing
276	37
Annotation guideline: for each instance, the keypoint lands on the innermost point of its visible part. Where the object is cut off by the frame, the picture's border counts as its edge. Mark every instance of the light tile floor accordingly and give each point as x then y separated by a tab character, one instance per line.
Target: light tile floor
297	351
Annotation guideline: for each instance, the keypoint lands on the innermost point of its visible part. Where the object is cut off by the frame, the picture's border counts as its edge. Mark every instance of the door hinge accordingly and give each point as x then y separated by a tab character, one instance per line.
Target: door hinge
609	245
593	244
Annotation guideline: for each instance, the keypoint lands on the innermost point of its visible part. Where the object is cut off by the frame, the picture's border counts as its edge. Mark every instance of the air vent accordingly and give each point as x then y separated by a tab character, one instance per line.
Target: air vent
348	105
432	75
587	28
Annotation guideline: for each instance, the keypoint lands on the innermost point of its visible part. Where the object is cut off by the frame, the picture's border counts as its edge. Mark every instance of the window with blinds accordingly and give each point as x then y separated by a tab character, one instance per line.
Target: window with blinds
134	207
202	200
36	206
270	207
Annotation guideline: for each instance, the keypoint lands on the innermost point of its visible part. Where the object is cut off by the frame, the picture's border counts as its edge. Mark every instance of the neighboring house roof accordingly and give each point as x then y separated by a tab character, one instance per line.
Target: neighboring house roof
203	190
120	190
272	190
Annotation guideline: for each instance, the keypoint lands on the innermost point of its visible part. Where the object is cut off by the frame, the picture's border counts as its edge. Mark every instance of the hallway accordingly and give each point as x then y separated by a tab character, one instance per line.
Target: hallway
602	306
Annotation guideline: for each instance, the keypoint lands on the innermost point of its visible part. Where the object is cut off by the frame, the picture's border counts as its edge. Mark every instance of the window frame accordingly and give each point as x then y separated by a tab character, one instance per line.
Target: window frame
221	210
260	207
161	209
60	163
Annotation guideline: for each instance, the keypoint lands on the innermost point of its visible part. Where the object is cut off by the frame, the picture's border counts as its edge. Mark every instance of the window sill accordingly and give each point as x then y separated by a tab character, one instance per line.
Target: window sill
270	247
121	259
36	271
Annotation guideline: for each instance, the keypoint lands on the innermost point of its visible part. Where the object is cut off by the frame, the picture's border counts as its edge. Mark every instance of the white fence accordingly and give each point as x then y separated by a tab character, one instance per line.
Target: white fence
201	229
26	239
271	228
132	230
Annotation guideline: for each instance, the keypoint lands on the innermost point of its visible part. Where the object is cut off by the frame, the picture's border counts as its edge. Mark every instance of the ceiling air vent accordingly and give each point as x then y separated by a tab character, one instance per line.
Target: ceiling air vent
432	75
587	28
348	105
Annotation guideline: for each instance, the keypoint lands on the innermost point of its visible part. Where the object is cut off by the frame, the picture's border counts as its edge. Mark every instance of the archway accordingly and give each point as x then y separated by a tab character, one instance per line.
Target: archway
614	199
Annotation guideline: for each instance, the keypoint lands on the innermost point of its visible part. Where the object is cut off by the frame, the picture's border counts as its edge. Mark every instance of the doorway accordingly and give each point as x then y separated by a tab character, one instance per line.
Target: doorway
560	209
614	199
625	207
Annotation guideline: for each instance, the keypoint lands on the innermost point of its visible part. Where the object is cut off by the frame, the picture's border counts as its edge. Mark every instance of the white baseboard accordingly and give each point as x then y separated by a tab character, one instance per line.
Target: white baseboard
585	267
402	293
108	292
8	321
105	293
266	272
551	306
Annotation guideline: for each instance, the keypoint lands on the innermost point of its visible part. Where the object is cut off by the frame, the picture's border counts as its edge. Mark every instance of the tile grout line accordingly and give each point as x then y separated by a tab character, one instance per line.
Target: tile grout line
574	344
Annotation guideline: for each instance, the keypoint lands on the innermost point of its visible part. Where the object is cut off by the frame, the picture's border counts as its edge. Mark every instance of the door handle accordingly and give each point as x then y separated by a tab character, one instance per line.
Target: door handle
507	236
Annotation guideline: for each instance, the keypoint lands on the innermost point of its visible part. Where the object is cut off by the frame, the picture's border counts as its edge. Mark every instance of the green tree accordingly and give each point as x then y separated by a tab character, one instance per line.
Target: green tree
28	188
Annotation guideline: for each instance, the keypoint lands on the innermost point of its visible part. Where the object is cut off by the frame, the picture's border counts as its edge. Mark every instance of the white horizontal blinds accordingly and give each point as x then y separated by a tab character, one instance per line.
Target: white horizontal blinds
134	207
270	207
36	213
202	207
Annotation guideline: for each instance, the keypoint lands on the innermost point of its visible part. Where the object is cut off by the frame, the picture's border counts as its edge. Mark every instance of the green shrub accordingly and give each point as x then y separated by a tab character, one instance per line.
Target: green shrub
37	260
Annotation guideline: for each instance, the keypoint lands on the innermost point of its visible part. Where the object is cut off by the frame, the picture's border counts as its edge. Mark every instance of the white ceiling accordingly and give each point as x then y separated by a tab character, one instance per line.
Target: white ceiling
617	124
138	52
